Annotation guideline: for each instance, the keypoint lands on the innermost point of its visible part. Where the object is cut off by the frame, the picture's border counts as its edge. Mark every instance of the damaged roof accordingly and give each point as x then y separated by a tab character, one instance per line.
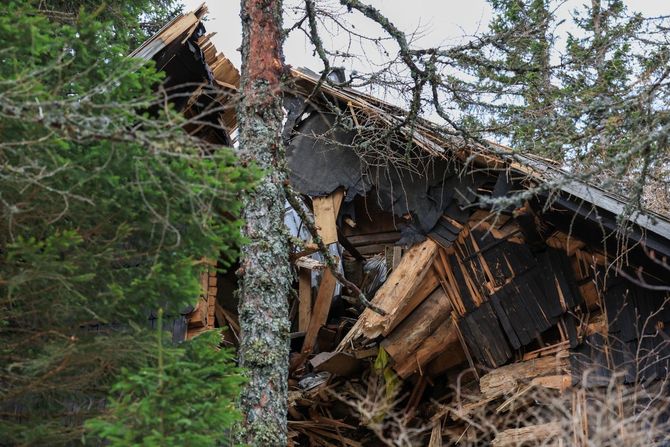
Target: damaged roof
187	30
533	296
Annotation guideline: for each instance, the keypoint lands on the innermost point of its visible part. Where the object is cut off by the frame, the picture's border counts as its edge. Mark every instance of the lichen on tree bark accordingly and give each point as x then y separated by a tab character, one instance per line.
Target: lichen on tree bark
265	271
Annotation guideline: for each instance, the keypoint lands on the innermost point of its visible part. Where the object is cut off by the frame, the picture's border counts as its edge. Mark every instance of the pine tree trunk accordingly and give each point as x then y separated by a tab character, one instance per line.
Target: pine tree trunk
265	271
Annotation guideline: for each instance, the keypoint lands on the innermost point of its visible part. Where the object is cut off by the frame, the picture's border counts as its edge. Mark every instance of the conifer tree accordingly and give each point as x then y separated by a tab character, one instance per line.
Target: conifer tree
106	209
521	70
597	103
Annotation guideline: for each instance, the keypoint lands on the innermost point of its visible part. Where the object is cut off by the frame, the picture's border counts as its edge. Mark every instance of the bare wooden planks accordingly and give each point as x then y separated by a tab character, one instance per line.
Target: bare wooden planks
325	215
305	299
406	338
320	310
506	379
397	296
445	337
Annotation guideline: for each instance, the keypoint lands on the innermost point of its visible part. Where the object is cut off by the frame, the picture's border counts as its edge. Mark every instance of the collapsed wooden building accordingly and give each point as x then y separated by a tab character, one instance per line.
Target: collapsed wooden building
506	287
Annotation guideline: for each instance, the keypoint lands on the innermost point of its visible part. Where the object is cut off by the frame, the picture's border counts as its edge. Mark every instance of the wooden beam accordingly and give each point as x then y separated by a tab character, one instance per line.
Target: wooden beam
389	237
444	338
305	299
506	379
325	215
397	295
404	339
320	310
532	434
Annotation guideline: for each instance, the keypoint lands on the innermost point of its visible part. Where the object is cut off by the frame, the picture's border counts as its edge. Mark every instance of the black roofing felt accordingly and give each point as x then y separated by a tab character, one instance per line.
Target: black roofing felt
321	159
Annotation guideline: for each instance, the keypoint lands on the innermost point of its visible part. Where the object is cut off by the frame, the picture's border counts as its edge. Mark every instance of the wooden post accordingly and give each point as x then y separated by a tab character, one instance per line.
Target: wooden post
320	310
305	299
326	210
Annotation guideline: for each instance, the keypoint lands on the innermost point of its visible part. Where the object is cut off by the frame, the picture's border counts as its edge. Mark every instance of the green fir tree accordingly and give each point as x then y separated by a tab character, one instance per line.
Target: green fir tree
105	208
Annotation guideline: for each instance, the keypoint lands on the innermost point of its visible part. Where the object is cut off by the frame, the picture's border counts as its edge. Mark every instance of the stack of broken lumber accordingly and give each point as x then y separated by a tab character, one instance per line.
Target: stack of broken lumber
471	304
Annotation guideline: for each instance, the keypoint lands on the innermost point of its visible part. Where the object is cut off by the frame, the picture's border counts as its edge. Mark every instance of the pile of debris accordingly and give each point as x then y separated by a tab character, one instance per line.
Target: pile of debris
475	309
491	319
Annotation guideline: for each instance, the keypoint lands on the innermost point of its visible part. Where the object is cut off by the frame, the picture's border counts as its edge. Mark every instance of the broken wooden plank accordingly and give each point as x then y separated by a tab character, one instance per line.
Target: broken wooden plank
559	382
397	295
532	434
308	249
389	237
309	263
397	256
325	215
225	316
320	310
445	337
506	379
409	334
450	285
436	435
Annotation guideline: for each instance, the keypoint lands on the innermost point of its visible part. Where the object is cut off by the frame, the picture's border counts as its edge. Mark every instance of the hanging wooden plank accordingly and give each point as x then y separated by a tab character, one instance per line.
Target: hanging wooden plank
397	296
320	310
325	215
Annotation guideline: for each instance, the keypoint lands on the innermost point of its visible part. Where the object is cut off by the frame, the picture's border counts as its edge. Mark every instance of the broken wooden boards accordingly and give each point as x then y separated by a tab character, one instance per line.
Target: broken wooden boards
325	215
398	296
551	371
490	294
320	310
203	316
506	295
503	297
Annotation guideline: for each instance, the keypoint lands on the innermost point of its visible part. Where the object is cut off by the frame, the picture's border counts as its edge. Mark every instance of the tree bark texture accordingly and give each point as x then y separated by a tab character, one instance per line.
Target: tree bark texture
265	271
